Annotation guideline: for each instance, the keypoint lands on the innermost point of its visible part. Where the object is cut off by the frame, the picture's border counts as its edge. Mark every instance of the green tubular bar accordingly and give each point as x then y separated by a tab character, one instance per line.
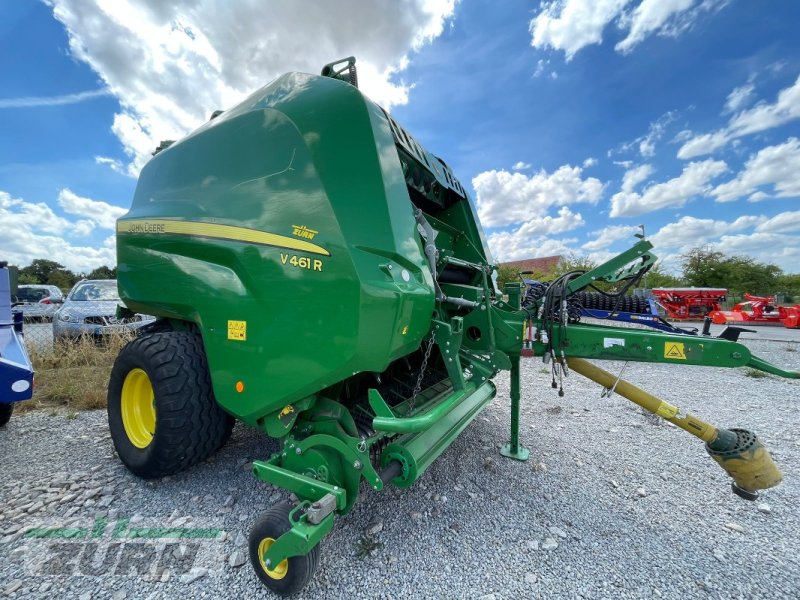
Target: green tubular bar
420	422
416	451
762	365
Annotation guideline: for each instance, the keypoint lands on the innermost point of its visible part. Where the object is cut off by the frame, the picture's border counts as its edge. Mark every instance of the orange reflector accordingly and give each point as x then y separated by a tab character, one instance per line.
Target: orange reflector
240	386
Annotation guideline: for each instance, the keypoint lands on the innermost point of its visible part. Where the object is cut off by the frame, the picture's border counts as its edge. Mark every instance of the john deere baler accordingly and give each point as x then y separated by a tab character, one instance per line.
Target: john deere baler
321	276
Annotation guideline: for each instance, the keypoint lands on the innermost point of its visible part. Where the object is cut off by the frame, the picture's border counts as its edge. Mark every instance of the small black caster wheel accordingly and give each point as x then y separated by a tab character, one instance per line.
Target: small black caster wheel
290	575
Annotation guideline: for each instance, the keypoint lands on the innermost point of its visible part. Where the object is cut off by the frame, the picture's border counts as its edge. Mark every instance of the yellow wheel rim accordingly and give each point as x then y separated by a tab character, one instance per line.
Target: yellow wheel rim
138	408
278	572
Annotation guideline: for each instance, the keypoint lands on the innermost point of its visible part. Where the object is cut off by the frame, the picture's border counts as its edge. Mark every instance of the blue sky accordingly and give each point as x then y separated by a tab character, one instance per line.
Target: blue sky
572	121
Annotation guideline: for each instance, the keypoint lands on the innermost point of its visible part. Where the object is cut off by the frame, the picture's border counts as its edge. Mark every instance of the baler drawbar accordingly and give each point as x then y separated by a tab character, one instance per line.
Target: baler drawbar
308	191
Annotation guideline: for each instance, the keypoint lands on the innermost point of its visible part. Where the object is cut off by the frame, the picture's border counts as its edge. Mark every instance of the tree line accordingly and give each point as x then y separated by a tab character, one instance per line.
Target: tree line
49	272
700	267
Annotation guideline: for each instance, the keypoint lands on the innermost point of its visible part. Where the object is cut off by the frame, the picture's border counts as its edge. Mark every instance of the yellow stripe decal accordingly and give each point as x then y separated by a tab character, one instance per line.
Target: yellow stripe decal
217	231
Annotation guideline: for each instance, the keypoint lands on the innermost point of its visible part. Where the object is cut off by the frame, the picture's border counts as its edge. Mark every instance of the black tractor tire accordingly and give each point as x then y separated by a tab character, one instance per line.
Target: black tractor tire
5	413
291	575
188	424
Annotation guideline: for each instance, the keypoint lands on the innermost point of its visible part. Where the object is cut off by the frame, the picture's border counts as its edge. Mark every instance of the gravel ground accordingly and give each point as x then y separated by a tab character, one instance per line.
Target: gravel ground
610	505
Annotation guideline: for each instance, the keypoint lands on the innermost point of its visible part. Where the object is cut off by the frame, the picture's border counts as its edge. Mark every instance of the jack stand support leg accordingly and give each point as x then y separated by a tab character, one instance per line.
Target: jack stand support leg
513	449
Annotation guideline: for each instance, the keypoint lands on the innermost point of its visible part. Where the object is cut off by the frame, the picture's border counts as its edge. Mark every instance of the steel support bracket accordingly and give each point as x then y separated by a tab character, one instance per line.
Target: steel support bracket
301	538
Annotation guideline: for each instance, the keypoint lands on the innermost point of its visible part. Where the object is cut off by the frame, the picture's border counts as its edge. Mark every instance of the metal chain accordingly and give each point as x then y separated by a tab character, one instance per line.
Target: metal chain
418	385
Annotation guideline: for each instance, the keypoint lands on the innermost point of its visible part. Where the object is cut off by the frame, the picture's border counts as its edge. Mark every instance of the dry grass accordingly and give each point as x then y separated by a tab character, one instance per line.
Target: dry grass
73	375
755	373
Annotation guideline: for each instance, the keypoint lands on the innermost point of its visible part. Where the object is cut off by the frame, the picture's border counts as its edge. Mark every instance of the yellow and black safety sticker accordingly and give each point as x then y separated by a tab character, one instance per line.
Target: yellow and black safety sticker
674	350
286	414
217	231
237	330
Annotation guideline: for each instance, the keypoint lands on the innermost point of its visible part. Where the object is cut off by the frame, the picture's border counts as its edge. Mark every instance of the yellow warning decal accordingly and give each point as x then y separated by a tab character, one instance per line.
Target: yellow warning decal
217	231
286	416
674	350
237	330
666	410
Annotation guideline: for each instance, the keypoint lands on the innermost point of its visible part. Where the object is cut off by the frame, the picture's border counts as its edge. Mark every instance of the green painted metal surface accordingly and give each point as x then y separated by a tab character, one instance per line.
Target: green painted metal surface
277	164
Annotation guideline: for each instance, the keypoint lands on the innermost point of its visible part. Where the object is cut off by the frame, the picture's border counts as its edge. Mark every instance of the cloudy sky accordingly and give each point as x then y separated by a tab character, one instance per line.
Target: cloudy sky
572	121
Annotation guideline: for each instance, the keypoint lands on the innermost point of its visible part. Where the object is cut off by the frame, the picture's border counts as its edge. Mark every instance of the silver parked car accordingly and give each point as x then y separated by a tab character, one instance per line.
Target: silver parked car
37	301
91	309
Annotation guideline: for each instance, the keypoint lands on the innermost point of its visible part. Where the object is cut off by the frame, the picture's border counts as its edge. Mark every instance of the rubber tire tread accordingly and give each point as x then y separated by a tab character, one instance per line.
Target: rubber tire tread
5	413
274	523
190	425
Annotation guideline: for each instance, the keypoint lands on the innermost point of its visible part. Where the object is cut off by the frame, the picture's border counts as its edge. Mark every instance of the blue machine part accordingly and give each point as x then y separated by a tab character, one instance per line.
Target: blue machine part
650	320
16	372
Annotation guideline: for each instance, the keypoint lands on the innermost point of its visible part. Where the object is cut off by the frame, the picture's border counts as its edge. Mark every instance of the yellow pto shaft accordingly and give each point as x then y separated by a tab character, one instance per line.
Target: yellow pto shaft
737	451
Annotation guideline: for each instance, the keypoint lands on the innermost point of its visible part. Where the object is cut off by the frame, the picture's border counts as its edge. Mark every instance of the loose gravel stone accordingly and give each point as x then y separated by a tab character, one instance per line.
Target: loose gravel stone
374	527
559	532
434	549
193	575
237	558
549	544
12	587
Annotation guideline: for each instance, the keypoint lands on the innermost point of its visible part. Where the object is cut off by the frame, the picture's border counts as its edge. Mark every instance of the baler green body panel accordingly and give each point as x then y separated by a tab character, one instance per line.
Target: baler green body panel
304	157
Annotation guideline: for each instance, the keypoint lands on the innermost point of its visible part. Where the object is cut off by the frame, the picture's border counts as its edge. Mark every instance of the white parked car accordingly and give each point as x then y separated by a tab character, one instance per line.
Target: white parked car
91	309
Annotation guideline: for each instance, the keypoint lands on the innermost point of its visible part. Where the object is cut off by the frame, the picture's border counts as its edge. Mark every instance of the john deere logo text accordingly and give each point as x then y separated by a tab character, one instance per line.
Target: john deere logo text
303	232
145	227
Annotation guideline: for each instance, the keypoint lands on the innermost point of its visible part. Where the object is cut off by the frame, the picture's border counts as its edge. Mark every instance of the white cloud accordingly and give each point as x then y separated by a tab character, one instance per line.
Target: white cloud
693	181
505	198
689	232
111	162
506	246
646	144
774	248
571	25
547	225
32	230
171	64
521	166
739	97
98	212
775	166
36	101
608	236
761	117
785	222
589	162
649	17
766	240
633	177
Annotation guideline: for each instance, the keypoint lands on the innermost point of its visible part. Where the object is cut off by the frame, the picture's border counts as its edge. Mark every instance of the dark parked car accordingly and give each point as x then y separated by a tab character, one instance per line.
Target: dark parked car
91	309
37	301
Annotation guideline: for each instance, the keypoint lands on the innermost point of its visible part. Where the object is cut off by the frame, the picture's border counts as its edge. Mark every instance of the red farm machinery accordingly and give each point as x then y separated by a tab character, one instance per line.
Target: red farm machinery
759	310
690	302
